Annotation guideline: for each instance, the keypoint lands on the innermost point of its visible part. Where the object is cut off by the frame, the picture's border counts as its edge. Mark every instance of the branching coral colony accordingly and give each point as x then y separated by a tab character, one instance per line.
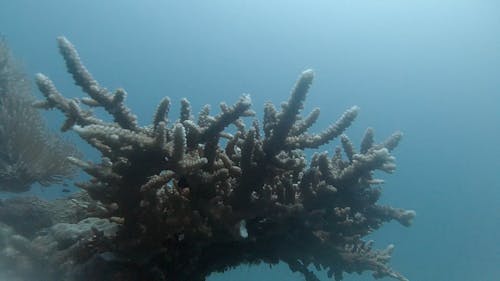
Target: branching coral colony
190	204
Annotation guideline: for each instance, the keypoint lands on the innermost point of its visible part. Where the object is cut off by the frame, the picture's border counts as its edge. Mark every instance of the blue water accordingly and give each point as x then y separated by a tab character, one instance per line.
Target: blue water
429	68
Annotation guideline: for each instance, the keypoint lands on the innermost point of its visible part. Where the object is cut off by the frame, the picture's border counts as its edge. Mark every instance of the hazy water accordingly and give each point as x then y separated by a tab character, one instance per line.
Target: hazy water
429	68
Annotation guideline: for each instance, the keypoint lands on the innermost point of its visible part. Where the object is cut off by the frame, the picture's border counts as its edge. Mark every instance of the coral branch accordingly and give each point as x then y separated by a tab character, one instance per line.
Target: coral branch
112	103
288	116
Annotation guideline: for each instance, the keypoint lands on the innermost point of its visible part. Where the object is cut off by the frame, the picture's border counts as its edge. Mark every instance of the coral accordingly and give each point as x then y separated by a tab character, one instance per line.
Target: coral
193	197
29	214
44	257
16	261
29	152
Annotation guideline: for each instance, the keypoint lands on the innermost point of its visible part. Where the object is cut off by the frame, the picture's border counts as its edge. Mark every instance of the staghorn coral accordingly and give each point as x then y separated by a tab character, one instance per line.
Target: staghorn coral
29	153
190	204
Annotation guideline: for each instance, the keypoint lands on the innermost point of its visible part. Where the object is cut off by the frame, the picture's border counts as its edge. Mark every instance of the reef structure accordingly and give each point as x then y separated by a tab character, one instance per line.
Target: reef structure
192	197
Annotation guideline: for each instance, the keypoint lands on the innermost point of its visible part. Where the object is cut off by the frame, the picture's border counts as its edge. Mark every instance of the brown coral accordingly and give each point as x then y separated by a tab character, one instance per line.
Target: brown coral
192	204
29	152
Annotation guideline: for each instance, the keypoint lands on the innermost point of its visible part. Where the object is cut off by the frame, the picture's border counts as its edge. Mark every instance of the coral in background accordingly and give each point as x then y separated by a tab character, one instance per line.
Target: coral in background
29	153
37	235
191	198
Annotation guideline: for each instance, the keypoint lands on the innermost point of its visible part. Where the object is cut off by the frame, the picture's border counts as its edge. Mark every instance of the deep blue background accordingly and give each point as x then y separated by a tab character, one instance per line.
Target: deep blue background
429	68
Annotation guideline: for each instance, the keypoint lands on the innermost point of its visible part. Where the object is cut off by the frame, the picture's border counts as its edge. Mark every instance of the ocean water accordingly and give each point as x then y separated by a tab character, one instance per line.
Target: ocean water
428	68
